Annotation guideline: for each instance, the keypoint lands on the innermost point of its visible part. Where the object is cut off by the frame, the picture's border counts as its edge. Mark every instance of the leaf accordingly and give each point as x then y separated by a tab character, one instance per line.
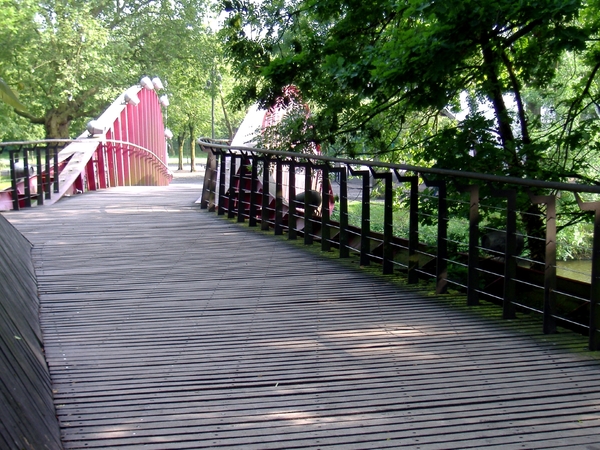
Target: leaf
10	98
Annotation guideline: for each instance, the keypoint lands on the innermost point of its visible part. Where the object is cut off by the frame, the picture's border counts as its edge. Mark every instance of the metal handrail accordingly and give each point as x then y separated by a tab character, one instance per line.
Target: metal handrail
530	182
245	203
100	140
20	192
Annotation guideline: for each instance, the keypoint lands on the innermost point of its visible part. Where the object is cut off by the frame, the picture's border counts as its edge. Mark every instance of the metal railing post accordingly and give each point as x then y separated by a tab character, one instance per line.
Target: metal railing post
40	176
292	222
264	214
241	212
56	177
594	322
549	262
253	188
343	239
47	184
510	263
442	237
308	209
325	211
388	221
279	197
473	268
365	244
222	174
231	196
13	180
27	182
413	227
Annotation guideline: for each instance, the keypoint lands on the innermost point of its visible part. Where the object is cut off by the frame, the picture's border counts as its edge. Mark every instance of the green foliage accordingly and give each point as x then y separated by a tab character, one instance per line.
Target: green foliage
69	60
458	229
573	242
361	63
384	78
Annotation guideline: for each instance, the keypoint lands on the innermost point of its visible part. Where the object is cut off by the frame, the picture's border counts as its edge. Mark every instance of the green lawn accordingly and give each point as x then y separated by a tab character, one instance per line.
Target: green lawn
573	243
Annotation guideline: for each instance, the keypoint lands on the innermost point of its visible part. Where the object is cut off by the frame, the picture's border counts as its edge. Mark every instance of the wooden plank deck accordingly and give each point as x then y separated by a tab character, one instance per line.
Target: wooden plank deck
27	414
167	327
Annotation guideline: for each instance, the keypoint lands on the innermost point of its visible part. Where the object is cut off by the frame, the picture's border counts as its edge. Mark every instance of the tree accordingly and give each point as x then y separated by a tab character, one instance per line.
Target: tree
380	73
69	60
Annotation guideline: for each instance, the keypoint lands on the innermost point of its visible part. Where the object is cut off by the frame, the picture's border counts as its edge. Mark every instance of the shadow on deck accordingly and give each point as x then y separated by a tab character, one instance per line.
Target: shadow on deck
166	327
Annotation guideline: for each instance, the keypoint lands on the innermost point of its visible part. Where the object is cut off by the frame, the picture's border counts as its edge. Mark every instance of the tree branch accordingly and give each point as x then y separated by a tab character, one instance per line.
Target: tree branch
30	117
517	91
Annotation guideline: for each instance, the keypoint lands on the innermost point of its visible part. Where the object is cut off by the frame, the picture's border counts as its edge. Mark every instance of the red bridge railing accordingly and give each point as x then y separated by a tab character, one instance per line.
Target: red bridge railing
125	146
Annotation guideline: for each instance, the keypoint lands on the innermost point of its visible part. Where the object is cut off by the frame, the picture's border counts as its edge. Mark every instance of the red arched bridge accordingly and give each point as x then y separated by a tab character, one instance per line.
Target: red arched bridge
131	317
125	146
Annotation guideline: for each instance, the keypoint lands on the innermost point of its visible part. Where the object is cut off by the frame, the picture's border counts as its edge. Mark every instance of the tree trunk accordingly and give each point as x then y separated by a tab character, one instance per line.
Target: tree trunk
180	142
533	221
192	149
535	227
57	122
494	88
227	121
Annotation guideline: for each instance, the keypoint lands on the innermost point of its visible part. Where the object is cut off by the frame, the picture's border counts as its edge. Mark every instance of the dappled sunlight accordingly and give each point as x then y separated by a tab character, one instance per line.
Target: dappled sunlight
156	209
224	338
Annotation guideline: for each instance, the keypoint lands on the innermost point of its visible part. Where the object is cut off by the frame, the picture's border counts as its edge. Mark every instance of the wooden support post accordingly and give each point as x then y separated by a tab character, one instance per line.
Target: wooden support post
209	184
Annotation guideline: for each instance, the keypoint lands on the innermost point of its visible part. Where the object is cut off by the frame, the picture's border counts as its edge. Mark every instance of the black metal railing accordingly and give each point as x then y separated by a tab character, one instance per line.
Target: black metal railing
32	171
489	265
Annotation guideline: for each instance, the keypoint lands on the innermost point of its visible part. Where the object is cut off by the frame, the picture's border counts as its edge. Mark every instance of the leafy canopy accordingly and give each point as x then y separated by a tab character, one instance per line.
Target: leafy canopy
379	73
68	60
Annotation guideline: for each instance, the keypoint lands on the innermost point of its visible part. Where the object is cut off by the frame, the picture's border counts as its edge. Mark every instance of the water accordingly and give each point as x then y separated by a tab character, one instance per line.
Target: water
576	269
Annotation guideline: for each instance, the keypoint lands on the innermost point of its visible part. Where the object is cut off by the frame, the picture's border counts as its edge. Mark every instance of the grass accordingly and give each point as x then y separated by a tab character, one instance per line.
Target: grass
573	243
457	228
200	159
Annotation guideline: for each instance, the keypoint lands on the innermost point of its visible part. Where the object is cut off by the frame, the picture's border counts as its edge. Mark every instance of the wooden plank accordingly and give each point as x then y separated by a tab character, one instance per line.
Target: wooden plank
27	413
168	327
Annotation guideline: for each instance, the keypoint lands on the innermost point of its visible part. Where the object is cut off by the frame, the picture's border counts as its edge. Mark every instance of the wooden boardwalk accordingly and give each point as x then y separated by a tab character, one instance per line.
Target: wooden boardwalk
167	327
